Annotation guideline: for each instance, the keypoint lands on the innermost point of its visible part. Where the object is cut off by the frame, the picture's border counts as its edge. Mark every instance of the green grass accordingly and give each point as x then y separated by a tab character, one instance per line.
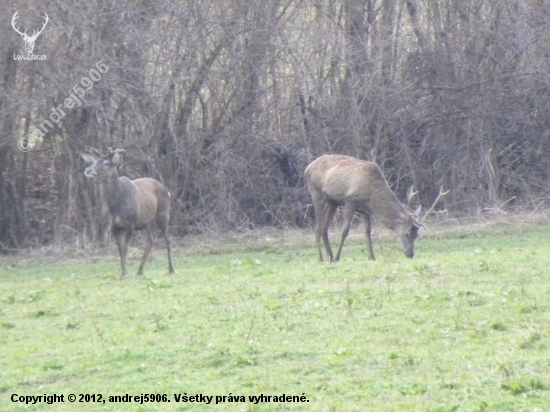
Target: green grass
464	326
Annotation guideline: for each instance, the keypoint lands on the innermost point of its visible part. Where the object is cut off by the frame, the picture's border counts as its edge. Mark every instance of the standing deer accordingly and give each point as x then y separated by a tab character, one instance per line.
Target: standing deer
358	186
133	204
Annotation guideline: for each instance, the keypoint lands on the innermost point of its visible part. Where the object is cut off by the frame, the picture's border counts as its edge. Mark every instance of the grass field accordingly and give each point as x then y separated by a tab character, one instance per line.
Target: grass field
464	326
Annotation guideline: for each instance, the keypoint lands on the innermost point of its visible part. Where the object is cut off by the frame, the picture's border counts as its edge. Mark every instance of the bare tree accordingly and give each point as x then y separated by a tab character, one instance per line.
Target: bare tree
225	101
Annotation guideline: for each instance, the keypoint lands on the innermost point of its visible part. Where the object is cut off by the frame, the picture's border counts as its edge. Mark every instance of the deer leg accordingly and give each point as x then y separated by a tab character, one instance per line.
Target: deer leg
162	223
367	220
148	246
328	214
169	250
318	206
348	216
318	241
120	242
129	231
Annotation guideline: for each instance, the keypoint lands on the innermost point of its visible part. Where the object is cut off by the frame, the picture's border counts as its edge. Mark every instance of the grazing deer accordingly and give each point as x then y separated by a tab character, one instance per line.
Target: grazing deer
358	186
133	204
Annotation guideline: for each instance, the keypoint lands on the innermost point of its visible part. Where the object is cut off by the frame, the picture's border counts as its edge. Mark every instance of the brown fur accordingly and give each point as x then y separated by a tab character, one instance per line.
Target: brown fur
133	204
358	186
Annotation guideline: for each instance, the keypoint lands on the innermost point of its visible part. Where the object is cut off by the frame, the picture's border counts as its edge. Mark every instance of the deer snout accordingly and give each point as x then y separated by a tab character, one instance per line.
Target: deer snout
90	172
409	251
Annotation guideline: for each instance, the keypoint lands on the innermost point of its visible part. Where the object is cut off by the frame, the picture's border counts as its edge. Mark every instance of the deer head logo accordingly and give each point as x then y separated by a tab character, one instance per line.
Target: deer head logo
29	40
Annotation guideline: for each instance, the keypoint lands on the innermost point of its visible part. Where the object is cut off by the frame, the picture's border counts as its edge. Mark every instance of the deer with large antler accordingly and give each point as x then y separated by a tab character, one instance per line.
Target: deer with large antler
29	40
359	186
133	204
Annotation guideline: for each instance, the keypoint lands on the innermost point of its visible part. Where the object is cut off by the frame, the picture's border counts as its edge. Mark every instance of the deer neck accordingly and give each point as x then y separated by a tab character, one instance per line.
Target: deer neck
111	191
394	216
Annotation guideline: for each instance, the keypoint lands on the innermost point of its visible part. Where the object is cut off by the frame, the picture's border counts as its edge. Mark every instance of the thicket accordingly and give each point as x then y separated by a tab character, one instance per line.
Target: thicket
226	101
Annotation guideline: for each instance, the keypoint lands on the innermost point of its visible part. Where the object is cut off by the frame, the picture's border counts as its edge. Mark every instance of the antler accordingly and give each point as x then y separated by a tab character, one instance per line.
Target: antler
410	194
34	33
15	17
439	196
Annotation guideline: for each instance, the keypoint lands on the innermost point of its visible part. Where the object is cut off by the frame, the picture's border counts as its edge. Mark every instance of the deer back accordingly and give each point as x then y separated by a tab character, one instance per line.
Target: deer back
342	178
147	198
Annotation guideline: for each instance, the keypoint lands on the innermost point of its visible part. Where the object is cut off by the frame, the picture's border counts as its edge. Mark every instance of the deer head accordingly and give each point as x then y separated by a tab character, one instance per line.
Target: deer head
29	40
102	166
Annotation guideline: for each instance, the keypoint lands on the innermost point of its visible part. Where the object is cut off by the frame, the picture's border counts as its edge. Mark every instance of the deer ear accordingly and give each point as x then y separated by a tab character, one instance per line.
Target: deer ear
95	152
88	158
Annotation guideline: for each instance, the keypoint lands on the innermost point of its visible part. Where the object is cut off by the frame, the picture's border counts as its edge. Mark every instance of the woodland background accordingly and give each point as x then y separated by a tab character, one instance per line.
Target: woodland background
226	101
